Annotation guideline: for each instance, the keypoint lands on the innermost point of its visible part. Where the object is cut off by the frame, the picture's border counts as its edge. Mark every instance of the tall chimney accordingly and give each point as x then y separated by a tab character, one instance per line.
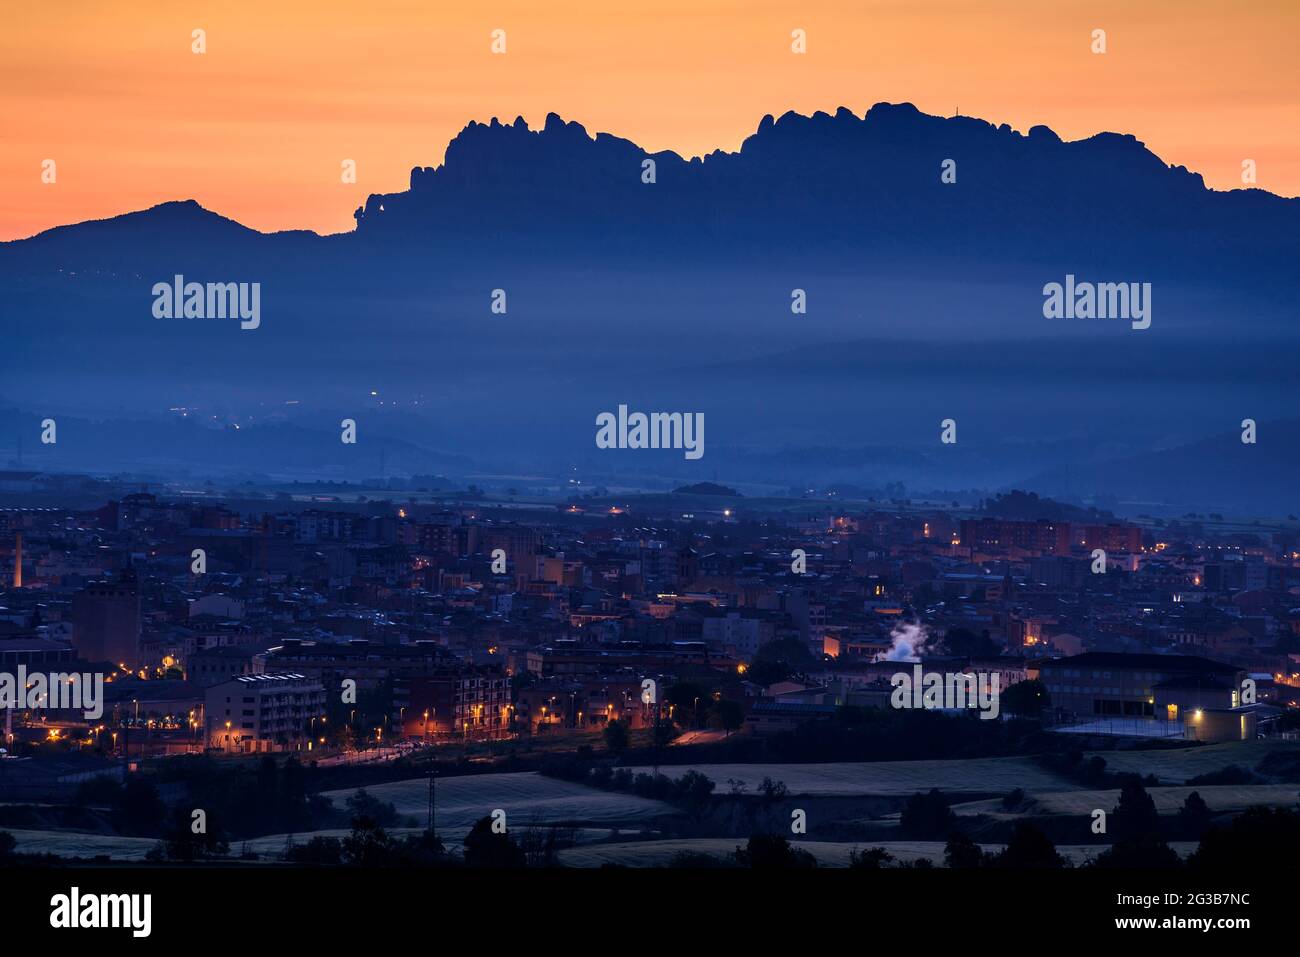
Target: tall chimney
18	560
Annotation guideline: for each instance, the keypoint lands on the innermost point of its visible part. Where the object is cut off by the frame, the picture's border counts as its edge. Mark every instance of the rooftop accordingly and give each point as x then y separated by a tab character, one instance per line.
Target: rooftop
1146	662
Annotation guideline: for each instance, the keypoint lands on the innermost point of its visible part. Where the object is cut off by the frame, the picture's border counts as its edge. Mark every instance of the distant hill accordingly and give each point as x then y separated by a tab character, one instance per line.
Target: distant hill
706	488
924	301
1028	506
1217	469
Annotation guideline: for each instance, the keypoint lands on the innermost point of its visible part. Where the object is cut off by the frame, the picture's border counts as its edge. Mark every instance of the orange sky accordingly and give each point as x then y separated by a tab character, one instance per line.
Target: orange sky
256	128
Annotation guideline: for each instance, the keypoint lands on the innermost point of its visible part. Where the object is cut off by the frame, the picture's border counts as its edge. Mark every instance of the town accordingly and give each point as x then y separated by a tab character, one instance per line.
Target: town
376	640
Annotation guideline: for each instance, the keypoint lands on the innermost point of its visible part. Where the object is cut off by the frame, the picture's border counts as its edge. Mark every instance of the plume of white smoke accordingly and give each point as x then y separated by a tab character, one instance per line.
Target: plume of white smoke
906	642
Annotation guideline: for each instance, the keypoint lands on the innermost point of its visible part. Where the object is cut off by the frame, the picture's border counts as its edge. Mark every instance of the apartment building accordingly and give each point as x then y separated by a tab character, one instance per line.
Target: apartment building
263	712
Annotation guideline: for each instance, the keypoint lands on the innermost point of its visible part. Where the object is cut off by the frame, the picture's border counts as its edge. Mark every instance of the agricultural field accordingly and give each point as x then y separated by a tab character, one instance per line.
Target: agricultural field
828	853
526	797
884	778
605	823
272	846
81	844
1168	800
659	853
1176	766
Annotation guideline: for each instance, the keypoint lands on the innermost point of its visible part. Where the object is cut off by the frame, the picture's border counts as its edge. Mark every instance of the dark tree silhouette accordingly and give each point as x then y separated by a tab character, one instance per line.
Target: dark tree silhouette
617	736
872	859
1029	848
1142	853
773	852
1256	839
1135	816
961	853
486	848
1194	816
927	816
1026	699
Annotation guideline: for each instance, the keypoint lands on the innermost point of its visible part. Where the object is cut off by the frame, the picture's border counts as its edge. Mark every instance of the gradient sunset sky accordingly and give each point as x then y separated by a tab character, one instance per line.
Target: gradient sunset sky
256	128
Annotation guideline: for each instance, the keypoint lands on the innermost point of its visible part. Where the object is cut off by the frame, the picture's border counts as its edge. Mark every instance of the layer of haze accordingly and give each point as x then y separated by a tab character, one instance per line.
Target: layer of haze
257	127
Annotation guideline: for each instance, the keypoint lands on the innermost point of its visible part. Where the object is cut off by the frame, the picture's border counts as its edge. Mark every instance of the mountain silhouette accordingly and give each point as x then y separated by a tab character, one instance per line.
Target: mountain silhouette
830	184
924	301
840	185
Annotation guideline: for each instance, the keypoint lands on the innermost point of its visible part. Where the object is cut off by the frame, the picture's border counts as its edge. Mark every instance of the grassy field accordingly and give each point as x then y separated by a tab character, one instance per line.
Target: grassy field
272	846
269	847
1167	800
526	797
81	844
1175	767
529	798
828	853
884	778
